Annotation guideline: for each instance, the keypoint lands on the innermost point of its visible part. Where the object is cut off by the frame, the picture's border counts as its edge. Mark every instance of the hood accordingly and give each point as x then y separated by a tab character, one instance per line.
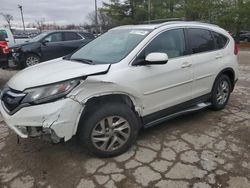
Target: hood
21	45
53	71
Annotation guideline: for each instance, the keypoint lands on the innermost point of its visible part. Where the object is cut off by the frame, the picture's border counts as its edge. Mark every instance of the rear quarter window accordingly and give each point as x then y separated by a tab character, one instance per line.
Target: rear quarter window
220	40
200	40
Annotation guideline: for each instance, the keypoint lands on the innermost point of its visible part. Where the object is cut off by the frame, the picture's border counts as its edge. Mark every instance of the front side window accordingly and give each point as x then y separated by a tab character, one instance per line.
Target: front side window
111	47
200	40
68	36
54	37
220	40
170	42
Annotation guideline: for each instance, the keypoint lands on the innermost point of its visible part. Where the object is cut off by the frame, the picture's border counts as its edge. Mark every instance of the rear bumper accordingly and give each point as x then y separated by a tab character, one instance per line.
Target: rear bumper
59	118
4	58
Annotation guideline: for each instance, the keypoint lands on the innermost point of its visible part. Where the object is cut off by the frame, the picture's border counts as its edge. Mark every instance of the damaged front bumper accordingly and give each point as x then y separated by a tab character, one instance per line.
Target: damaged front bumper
58	119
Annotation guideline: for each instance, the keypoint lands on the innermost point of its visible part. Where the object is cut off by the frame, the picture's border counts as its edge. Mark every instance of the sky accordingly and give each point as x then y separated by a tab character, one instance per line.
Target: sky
58	11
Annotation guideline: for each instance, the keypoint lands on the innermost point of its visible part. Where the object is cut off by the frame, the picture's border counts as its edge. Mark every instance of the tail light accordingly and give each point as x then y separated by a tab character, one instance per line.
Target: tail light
235	49
4	46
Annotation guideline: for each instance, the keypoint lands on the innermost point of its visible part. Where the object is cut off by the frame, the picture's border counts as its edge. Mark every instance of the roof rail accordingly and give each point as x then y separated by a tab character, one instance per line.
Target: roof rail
186	21
158	21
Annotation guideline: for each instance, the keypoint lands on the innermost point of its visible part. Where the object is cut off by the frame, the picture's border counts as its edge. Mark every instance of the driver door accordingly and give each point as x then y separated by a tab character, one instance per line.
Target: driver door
163	86
52	47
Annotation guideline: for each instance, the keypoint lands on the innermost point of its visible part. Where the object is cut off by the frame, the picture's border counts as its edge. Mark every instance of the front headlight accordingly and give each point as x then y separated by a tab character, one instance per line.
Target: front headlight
15	50
49	92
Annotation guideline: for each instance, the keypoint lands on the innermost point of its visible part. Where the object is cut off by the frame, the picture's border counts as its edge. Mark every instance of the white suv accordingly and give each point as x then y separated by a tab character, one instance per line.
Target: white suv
128	78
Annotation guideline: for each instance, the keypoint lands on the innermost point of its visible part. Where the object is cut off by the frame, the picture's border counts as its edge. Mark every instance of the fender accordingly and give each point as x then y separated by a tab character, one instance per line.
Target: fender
227	71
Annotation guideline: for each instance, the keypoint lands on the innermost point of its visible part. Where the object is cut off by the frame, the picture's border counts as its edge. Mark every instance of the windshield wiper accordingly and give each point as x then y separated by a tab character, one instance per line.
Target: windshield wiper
86	61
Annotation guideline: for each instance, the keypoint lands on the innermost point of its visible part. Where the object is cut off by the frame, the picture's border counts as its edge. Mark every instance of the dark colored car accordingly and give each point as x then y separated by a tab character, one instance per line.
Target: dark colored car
245	37
49	45
242	36
4	52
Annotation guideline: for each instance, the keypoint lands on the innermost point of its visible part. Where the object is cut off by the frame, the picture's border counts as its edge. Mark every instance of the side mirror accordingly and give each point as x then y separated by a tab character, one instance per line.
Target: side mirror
44	42
157	58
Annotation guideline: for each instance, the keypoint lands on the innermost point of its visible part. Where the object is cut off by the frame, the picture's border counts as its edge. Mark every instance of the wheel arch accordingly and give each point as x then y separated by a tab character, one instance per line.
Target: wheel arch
230	73
99	99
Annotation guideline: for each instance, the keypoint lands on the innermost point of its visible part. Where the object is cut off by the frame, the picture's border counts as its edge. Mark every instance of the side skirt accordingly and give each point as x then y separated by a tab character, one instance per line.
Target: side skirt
177	110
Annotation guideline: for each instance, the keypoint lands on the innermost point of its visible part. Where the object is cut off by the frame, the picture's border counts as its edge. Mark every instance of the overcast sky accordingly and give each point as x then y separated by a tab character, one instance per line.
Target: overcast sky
59	11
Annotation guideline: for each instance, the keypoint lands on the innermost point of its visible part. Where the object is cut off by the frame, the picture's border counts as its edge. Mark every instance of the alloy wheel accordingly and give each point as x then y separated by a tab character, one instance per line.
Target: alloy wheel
111	133
222	92
31	60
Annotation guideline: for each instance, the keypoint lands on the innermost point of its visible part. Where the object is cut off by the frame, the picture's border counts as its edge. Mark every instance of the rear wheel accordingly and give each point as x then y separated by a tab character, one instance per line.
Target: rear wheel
31	59
108	130
221	92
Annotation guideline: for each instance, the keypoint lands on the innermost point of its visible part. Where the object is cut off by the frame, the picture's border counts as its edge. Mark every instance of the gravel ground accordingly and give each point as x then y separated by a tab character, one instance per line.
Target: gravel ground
200	150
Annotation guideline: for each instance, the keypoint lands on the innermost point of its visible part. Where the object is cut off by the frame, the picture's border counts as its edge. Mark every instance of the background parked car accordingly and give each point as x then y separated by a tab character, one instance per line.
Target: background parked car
4	51
49	45
19	39
245	37
7	36
242	36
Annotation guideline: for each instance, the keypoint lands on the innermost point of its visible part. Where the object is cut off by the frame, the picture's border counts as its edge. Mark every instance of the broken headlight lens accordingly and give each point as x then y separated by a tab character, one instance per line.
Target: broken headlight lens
50	92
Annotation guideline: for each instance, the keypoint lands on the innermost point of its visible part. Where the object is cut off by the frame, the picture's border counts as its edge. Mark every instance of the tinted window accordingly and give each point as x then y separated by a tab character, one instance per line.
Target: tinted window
3	34
71	36
87	35
54	37
220	40
170	42
200	40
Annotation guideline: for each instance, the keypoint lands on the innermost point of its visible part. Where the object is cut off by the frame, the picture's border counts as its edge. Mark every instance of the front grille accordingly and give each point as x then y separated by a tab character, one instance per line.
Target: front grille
11	98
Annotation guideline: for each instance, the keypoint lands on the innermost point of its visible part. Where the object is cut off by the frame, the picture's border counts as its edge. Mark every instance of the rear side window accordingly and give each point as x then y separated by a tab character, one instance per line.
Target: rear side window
220	40
200	40
71	36
3	34
87	35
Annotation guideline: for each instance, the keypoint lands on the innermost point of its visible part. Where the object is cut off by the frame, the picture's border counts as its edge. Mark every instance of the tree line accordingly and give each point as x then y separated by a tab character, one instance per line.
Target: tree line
233	15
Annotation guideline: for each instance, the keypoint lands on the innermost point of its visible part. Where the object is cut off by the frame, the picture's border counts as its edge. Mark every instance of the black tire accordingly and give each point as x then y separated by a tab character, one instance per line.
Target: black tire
220	104
28	60
95	115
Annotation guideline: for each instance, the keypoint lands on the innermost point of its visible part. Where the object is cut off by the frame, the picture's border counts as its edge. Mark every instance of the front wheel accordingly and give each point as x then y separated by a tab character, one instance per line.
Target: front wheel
108	130
30	60
221	92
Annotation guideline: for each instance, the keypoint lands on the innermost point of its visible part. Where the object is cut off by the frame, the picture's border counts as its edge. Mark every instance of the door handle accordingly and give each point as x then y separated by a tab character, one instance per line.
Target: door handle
186	65
218	56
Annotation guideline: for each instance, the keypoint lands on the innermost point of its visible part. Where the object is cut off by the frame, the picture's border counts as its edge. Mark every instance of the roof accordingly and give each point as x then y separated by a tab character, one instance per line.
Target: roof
155	26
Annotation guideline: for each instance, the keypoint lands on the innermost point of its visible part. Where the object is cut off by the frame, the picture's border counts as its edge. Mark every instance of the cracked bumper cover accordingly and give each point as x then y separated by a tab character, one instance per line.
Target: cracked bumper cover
61	117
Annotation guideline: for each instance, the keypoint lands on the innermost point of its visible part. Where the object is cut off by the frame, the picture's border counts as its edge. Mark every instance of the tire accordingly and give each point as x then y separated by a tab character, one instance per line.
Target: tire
221	92
95	126
30	60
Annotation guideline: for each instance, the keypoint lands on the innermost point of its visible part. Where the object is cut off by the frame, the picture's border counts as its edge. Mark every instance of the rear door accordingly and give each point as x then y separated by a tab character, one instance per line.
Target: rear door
205	60
72	41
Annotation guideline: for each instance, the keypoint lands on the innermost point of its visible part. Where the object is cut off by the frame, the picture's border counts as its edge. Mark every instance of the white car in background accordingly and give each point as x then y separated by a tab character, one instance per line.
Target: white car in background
7	34
128	78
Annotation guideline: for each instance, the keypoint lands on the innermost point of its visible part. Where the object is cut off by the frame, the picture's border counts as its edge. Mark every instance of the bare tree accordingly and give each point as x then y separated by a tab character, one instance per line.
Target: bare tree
8	18
40	24
104	22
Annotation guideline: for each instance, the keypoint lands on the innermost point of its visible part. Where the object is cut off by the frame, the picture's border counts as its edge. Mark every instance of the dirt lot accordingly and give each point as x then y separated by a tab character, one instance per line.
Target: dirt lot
205	149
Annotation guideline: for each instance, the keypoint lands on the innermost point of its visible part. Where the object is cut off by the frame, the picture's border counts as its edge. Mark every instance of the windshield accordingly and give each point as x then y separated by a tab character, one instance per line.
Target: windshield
38	37
111	47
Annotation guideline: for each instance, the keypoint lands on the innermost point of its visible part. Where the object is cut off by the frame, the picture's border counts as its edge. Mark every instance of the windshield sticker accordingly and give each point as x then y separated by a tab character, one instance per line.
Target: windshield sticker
138	32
